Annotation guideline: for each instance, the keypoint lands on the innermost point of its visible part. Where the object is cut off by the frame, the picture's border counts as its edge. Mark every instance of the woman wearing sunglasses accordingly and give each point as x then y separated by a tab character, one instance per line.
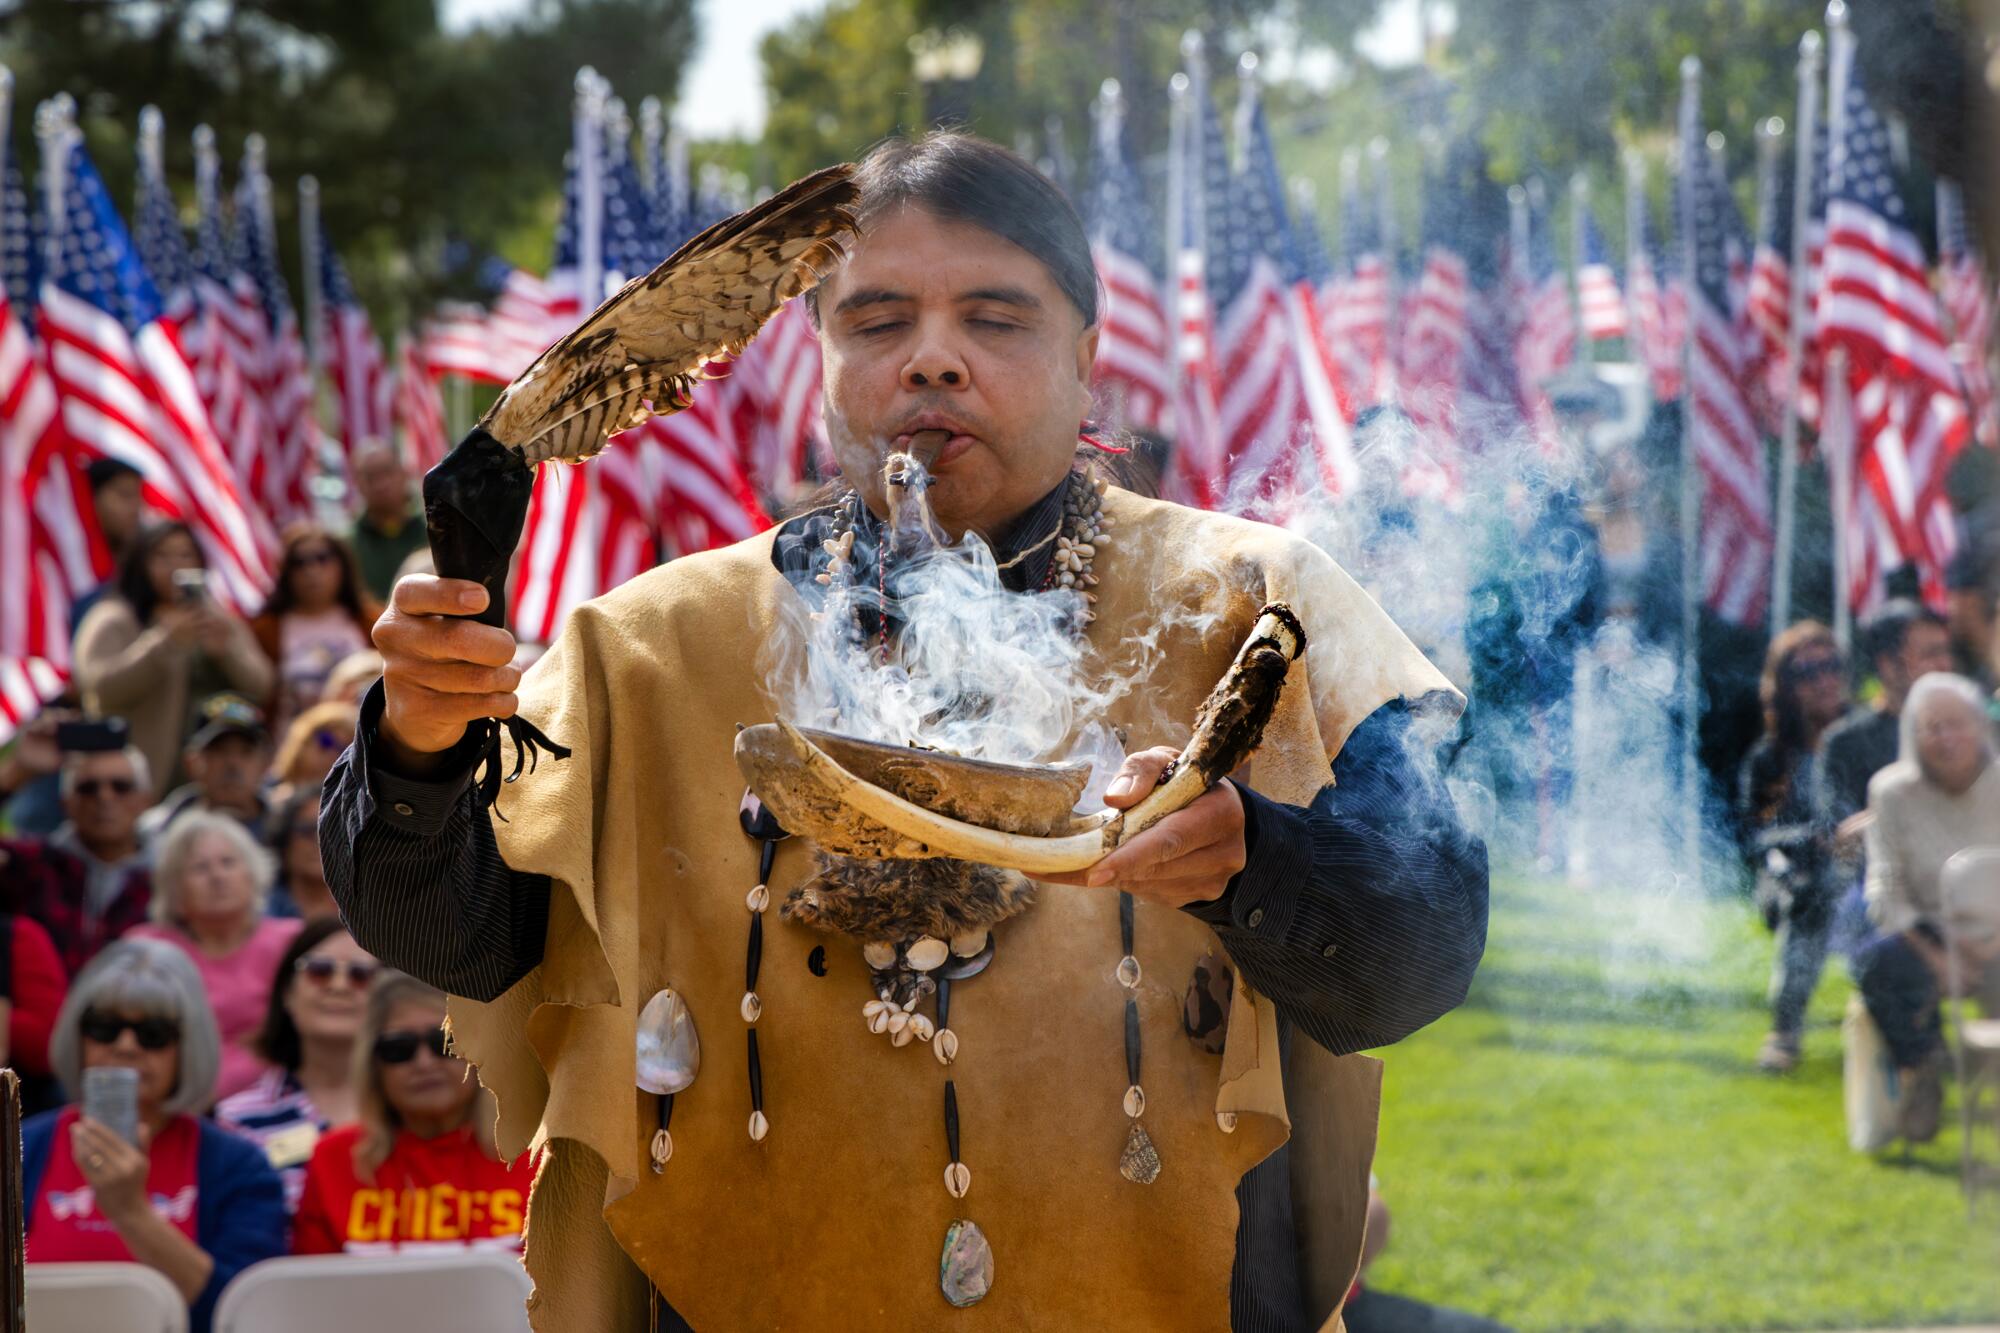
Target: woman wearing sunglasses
211	881
308	1036
1803	691
309	746
188	1198
317	615
419	1168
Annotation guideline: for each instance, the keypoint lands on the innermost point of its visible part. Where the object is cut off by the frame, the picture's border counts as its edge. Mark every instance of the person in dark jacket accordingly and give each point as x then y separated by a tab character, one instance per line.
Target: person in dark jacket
1804	688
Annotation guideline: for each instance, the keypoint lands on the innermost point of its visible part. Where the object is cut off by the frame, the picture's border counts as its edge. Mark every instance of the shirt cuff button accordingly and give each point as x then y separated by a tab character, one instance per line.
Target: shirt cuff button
1329	951
1255	919
405	809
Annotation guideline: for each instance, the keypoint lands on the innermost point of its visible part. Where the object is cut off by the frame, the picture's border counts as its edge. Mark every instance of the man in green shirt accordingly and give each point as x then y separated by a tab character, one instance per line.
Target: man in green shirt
390	524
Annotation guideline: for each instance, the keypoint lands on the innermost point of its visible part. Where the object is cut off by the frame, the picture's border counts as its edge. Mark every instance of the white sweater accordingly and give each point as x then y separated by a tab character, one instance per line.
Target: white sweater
1918	826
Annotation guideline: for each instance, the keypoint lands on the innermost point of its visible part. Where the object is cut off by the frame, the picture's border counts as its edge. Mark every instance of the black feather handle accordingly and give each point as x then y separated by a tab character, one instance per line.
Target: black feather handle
475	505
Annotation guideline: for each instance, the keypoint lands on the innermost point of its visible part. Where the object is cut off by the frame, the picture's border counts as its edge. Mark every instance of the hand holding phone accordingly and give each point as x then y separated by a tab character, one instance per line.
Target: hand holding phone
191	586
111	1098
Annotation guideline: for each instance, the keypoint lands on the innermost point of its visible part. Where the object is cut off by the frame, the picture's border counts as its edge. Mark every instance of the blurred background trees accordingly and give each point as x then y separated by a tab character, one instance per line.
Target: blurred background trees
436	148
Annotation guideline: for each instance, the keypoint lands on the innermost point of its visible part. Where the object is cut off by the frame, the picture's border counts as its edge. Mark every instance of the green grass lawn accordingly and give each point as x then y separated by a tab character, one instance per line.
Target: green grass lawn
1587	1143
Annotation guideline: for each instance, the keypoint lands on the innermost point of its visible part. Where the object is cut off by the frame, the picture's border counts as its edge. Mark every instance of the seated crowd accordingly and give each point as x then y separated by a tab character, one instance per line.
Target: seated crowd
217	1073
1848	817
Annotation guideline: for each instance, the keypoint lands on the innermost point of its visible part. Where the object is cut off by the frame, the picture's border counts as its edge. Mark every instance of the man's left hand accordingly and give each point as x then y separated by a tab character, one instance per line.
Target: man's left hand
1190	856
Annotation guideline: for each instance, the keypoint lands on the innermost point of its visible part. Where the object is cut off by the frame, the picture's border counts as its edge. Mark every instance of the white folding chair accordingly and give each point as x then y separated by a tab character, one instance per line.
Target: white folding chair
90	1298
411	1291
1970	887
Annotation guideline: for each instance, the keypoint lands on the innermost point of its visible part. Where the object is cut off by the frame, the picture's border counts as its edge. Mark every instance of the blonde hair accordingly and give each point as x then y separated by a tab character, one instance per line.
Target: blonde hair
1939	685
284	765
351	677
379	1120
171	862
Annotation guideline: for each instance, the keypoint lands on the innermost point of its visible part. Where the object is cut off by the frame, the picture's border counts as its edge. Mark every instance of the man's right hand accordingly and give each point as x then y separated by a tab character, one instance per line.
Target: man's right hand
440	671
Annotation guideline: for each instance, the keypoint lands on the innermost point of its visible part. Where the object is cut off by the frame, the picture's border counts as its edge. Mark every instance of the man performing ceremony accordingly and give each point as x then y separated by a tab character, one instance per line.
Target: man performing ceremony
874	1075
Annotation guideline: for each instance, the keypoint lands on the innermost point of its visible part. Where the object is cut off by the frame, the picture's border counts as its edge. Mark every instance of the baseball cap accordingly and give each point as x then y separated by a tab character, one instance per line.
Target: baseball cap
227	714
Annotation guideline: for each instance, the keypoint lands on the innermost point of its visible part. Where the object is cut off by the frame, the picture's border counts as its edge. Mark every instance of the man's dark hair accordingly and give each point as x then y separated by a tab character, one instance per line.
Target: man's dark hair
104	470
964	178
1888	629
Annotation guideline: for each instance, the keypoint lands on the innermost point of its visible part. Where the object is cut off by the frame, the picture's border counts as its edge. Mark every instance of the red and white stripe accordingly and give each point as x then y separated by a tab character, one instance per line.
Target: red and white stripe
778	402
1132	376
1736	538
134	398
1877	304
1357	328
419	411
1434	343
49	543
1547	344
1261	407
1602	304
1197	476
26	684
361	387
1659	318
1968	302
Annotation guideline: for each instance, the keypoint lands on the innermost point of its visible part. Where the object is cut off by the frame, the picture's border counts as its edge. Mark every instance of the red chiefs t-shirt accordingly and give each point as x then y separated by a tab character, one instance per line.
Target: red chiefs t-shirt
430	1192
66	1226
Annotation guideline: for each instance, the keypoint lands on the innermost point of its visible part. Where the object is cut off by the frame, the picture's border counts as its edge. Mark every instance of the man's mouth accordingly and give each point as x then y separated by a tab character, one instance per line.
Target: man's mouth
928	448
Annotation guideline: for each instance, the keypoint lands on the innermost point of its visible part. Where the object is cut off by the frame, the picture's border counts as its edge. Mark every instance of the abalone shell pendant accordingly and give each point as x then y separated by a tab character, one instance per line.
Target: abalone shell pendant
669	1054
965	1270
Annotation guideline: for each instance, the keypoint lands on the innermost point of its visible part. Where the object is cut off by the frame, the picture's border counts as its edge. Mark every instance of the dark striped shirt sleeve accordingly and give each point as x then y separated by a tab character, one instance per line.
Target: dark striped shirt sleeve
417	873
1363	915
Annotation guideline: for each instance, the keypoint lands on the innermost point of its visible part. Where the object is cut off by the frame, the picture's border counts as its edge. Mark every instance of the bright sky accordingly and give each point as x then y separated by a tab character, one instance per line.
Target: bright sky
724	90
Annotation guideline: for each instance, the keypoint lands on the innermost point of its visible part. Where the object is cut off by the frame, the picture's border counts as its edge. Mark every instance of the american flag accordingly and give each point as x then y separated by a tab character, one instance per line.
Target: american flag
283	374
1658	300
126	388
1548	329
1196	476
353	358
1133	375
231	339
48	524
26	683
1735	536
1598	297
1967	289
1877	305
418	409
1322	282
1769	301
35	474
1252	264
1356	312
1434	339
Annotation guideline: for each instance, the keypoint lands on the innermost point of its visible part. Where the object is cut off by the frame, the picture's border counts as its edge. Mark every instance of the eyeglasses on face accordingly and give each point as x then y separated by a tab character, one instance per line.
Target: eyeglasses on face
305	559
1817	668
154	1034
399	1048
328	740
321	970
92	788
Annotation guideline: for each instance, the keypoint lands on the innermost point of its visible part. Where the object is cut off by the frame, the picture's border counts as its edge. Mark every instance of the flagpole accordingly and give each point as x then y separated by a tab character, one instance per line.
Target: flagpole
309	267
1690	525
53	126
587	142
1385	219
1805	129
1834	397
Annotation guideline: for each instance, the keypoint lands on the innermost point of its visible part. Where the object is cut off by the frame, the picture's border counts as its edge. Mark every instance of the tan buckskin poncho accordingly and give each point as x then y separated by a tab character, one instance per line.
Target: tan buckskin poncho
836	1220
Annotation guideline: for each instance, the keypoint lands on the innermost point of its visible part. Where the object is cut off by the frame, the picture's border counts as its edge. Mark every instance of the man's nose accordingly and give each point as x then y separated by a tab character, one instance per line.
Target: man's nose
934	363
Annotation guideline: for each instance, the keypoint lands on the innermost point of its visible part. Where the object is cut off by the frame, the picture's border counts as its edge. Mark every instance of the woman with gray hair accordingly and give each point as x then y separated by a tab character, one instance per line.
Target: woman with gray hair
181	1195
1939	798
210	883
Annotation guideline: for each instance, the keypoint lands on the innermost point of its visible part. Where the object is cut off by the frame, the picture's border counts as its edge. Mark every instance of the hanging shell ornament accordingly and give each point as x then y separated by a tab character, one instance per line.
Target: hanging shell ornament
759	1126
752	1007
927	953
1140	1162
758	898
669	1054
945	1047
965	1269
1128	972
1135	1101
957	1179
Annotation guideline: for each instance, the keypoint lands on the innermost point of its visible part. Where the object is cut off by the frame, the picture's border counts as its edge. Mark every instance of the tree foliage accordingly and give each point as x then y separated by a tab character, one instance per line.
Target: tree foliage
417	136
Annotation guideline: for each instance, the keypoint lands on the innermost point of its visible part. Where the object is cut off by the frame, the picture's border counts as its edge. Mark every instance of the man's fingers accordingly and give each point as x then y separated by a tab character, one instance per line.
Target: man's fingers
1139	774
443	707
1167	859
439	640
429	595
458	677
